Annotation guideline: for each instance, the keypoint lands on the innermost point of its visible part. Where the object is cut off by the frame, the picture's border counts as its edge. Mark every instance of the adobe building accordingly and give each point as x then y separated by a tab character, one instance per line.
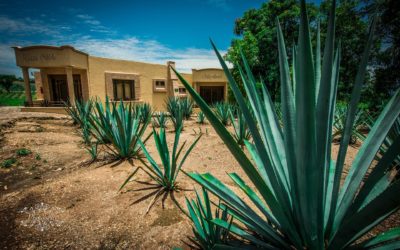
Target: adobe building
65	73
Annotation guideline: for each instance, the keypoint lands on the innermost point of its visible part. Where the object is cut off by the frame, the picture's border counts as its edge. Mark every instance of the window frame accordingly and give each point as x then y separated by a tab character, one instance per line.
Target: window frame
124	82
159	89
182	92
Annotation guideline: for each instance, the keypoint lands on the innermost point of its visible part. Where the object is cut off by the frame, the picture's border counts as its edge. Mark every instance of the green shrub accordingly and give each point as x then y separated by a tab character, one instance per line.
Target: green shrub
208	234
8	162
23	152
120	126
160	120
296	199
38	157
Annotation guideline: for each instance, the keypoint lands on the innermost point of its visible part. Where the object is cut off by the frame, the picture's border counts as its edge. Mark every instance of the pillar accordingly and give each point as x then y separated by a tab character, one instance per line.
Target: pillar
28	93
70	82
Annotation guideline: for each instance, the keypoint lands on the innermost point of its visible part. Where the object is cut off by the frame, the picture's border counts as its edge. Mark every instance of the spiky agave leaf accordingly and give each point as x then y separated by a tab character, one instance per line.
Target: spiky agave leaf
298	196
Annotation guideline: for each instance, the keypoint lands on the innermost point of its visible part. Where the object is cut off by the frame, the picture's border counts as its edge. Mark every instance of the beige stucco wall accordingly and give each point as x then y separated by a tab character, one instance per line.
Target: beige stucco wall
98	67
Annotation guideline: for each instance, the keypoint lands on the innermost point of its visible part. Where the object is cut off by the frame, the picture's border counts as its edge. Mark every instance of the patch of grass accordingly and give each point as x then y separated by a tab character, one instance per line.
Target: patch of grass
8	162
38	157
23	152
14	98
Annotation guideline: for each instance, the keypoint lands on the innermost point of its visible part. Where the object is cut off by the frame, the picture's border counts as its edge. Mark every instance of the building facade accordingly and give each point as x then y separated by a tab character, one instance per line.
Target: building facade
64	73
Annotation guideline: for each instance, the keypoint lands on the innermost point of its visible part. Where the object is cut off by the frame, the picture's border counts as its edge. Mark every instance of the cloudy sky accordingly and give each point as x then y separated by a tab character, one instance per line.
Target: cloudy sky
146	30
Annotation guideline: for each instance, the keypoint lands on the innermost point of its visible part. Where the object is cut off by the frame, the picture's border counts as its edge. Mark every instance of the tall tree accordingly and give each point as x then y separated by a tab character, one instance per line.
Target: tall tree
387	60
257	38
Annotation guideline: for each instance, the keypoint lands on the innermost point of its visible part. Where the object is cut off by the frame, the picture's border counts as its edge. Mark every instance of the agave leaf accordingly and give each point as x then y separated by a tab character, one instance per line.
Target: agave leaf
307	177
378	175
366	154
344	142
253	197
368	217
236	230
222	191
389	235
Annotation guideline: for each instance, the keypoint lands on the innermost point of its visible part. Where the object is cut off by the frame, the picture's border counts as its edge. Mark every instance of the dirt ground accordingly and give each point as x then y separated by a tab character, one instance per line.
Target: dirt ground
54	199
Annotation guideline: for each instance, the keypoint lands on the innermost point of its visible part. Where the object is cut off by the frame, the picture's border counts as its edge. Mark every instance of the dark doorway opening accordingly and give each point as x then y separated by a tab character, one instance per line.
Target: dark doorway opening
59	87
212	94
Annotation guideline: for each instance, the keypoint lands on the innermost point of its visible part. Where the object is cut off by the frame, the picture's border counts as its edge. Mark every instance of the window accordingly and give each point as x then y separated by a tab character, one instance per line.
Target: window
124	89
182	90
159	85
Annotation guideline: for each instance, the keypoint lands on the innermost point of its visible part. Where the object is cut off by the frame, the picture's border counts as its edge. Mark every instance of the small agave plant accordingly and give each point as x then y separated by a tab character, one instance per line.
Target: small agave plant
339	122
93	151
187	107
121	126
201	118
223	111
208	234
143	112
171	162
176	111
81	112
160	120
241	133
296	199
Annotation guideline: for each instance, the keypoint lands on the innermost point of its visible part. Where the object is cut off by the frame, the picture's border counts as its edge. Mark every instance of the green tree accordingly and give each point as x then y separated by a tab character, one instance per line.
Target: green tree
6	81
259	43
351	30
257	38
387	60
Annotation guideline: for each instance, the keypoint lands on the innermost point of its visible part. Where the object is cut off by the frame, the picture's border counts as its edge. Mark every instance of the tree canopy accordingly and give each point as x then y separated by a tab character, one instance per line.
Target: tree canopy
256	37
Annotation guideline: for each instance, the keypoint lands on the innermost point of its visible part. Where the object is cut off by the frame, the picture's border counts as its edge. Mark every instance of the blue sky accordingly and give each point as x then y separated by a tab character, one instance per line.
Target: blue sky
147	30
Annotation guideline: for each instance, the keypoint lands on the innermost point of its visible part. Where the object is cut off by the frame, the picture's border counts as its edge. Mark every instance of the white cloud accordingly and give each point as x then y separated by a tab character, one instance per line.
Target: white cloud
94	24
127	48
223	4
150	51
29	26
